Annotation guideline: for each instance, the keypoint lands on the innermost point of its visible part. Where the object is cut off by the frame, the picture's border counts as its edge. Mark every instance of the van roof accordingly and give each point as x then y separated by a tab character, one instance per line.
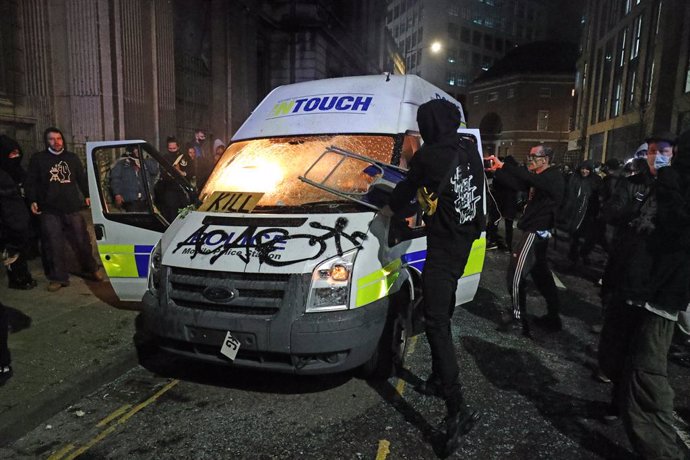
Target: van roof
373	104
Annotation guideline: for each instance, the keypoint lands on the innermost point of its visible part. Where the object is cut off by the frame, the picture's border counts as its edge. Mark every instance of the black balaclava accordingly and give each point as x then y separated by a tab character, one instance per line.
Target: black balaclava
11	158
437	119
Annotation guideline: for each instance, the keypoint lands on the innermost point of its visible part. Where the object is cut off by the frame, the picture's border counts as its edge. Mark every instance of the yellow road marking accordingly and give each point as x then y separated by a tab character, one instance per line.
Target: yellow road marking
113	416
57	455
400	386
384	450
103	434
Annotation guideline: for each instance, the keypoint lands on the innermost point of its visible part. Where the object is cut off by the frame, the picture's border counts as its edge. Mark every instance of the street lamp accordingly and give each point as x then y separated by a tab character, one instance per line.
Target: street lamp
435	47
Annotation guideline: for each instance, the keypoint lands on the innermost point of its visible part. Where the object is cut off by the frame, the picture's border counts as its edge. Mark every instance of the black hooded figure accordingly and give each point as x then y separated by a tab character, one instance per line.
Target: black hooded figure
447	167
18	274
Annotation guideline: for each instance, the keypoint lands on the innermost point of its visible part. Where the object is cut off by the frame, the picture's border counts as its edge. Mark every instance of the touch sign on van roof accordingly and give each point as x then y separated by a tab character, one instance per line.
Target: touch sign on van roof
323	103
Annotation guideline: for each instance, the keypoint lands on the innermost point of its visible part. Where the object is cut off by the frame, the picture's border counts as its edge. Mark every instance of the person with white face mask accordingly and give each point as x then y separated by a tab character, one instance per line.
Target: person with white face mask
645	298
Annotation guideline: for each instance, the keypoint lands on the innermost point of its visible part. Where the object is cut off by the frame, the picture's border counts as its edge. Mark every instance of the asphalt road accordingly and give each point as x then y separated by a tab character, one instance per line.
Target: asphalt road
536	397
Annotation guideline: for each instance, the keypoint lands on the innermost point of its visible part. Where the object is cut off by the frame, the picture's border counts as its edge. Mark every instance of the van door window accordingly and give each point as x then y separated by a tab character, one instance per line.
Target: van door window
132	186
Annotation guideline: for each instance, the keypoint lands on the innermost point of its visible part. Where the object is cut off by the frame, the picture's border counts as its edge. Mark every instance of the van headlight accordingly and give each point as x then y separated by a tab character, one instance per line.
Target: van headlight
155	265
330	284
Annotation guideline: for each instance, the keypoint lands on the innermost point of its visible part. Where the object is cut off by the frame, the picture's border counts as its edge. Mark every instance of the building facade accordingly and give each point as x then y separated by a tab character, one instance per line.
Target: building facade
126	69
633	75
473	34
525	99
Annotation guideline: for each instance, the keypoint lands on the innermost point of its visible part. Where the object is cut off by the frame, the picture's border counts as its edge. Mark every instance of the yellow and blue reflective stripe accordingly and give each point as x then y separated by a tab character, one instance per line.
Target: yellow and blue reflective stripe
376	285
475	261
125	260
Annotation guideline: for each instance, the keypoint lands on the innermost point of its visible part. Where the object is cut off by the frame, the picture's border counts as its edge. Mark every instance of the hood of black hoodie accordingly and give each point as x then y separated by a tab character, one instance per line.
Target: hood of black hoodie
437	119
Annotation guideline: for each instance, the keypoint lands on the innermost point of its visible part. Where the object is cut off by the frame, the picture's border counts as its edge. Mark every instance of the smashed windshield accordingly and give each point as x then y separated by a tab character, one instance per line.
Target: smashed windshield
273	166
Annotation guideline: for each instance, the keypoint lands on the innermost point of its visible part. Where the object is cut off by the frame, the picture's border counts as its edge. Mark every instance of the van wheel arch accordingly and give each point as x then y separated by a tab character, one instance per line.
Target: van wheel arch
389	356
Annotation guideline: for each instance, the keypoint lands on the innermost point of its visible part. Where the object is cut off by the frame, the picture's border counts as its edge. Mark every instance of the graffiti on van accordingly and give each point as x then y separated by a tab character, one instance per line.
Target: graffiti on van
269	245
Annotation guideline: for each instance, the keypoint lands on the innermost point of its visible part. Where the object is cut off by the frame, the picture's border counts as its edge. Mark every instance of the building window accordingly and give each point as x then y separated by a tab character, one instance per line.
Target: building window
616	98
649	82
627	6
630	89
453	31
464	35
511	93
453	10
493	96
543	120
545	92
622	39
475	99
637	32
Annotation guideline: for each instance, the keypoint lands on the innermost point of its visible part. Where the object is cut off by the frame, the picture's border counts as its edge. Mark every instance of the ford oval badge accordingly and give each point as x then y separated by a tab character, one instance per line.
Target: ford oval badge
218	294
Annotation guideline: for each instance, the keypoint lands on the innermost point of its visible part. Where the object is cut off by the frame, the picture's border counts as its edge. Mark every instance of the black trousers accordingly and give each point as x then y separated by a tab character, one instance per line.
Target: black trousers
530	258
445	263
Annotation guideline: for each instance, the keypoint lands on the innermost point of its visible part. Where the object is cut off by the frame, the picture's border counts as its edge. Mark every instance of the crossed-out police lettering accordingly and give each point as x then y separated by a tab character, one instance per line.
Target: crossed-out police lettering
265	243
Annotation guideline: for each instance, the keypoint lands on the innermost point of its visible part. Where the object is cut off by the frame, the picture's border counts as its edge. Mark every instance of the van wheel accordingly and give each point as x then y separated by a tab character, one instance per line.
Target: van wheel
389	356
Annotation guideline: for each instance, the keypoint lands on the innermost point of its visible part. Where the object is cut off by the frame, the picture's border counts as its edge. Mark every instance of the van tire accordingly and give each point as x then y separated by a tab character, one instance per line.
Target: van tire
389	356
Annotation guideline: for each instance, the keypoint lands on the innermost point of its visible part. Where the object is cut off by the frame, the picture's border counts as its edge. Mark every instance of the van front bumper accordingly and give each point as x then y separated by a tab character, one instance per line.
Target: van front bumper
289	341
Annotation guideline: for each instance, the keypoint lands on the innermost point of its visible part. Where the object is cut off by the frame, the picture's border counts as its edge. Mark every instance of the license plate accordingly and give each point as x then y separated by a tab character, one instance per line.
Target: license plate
230	346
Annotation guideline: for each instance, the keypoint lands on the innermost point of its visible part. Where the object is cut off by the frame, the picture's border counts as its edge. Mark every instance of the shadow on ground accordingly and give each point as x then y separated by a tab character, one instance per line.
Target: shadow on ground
513	370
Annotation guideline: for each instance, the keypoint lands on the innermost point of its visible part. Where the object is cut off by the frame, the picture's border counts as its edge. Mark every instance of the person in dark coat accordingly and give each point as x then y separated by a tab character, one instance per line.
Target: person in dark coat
449	170
651	287
169	195
507	202
14	223
581	208
18	275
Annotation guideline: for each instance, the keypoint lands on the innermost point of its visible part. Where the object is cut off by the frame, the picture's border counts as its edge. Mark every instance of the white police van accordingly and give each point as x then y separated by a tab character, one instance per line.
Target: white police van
285	264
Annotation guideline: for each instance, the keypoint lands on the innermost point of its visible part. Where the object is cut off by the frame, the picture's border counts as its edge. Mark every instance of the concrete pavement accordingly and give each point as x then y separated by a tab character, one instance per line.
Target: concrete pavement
78	338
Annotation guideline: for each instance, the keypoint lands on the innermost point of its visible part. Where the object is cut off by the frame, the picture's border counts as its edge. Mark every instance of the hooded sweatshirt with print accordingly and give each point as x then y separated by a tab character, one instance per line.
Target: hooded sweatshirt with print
448	164
57	182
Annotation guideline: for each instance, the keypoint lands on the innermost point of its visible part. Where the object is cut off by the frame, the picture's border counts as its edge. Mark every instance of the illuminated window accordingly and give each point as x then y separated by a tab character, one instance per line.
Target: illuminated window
616	98
637	32
543	120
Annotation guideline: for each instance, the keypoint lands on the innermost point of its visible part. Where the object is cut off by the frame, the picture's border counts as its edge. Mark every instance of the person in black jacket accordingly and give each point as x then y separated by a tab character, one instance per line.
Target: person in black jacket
507	202
545	185
448	168
643	300
18	275
14	222
56	188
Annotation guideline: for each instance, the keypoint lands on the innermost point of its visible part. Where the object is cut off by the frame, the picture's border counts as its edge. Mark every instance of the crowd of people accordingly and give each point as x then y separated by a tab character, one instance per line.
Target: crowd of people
40	207
638	212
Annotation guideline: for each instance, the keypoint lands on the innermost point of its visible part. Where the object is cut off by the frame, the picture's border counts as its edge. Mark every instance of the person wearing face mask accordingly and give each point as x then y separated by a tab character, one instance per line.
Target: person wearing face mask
18	275
645	298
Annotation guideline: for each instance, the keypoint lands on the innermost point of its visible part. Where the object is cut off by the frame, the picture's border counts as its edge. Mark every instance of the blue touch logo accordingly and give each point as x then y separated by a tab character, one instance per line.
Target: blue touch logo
334	103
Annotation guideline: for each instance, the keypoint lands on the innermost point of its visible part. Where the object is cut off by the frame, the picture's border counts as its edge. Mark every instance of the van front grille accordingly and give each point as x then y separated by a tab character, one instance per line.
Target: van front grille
242	293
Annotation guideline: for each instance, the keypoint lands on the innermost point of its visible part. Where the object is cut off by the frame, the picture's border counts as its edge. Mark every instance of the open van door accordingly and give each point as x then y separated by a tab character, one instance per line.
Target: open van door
126	232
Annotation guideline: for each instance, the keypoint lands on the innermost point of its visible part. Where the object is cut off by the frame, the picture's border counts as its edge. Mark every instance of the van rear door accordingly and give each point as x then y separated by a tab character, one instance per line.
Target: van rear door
126	234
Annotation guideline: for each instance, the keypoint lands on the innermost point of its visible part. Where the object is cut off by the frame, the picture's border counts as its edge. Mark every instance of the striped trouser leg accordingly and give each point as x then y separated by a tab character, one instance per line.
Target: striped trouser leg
521	262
